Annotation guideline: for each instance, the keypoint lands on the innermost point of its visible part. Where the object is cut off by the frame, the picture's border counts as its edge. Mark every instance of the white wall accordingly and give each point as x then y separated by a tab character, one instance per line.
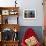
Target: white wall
27	4
7	3
32	4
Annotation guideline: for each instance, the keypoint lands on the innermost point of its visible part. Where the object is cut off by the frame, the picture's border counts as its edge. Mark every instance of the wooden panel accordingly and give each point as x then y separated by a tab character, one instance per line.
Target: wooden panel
10	43
5	8
45	20
0	43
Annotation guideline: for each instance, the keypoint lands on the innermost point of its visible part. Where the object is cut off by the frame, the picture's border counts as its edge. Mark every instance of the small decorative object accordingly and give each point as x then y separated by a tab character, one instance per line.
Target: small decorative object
15	36
5	12
15	3
29	14
15	30
13	12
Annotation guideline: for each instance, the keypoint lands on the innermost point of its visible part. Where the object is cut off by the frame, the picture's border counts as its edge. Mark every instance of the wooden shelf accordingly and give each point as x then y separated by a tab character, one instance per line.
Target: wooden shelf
4	24
7	13
10	43
9	8
10	26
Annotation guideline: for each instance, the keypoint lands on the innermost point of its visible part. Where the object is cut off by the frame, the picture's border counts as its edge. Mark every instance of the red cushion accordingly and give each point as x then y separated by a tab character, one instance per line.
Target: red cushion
29	33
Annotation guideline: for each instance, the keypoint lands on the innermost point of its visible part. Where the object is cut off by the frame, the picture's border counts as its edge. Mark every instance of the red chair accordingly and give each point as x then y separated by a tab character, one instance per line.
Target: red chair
29	33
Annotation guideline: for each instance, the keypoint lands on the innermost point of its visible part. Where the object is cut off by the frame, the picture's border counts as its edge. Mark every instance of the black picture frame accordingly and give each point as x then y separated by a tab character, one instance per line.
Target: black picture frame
29	14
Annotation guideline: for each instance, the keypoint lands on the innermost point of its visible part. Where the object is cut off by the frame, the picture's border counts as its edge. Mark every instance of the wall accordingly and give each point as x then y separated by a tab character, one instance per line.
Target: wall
30	4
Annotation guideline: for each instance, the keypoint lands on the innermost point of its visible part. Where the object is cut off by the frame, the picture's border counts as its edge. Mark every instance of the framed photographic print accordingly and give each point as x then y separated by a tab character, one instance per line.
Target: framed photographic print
5	12
29	14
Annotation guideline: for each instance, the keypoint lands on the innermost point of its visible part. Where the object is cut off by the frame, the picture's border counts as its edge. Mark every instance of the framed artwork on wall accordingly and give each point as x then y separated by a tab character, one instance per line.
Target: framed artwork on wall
29	14
5	12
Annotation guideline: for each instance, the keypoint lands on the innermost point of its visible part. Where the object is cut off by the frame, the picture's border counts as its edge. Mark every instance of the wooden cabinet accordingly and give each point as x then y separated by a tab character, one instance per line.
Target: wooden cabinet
5	13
